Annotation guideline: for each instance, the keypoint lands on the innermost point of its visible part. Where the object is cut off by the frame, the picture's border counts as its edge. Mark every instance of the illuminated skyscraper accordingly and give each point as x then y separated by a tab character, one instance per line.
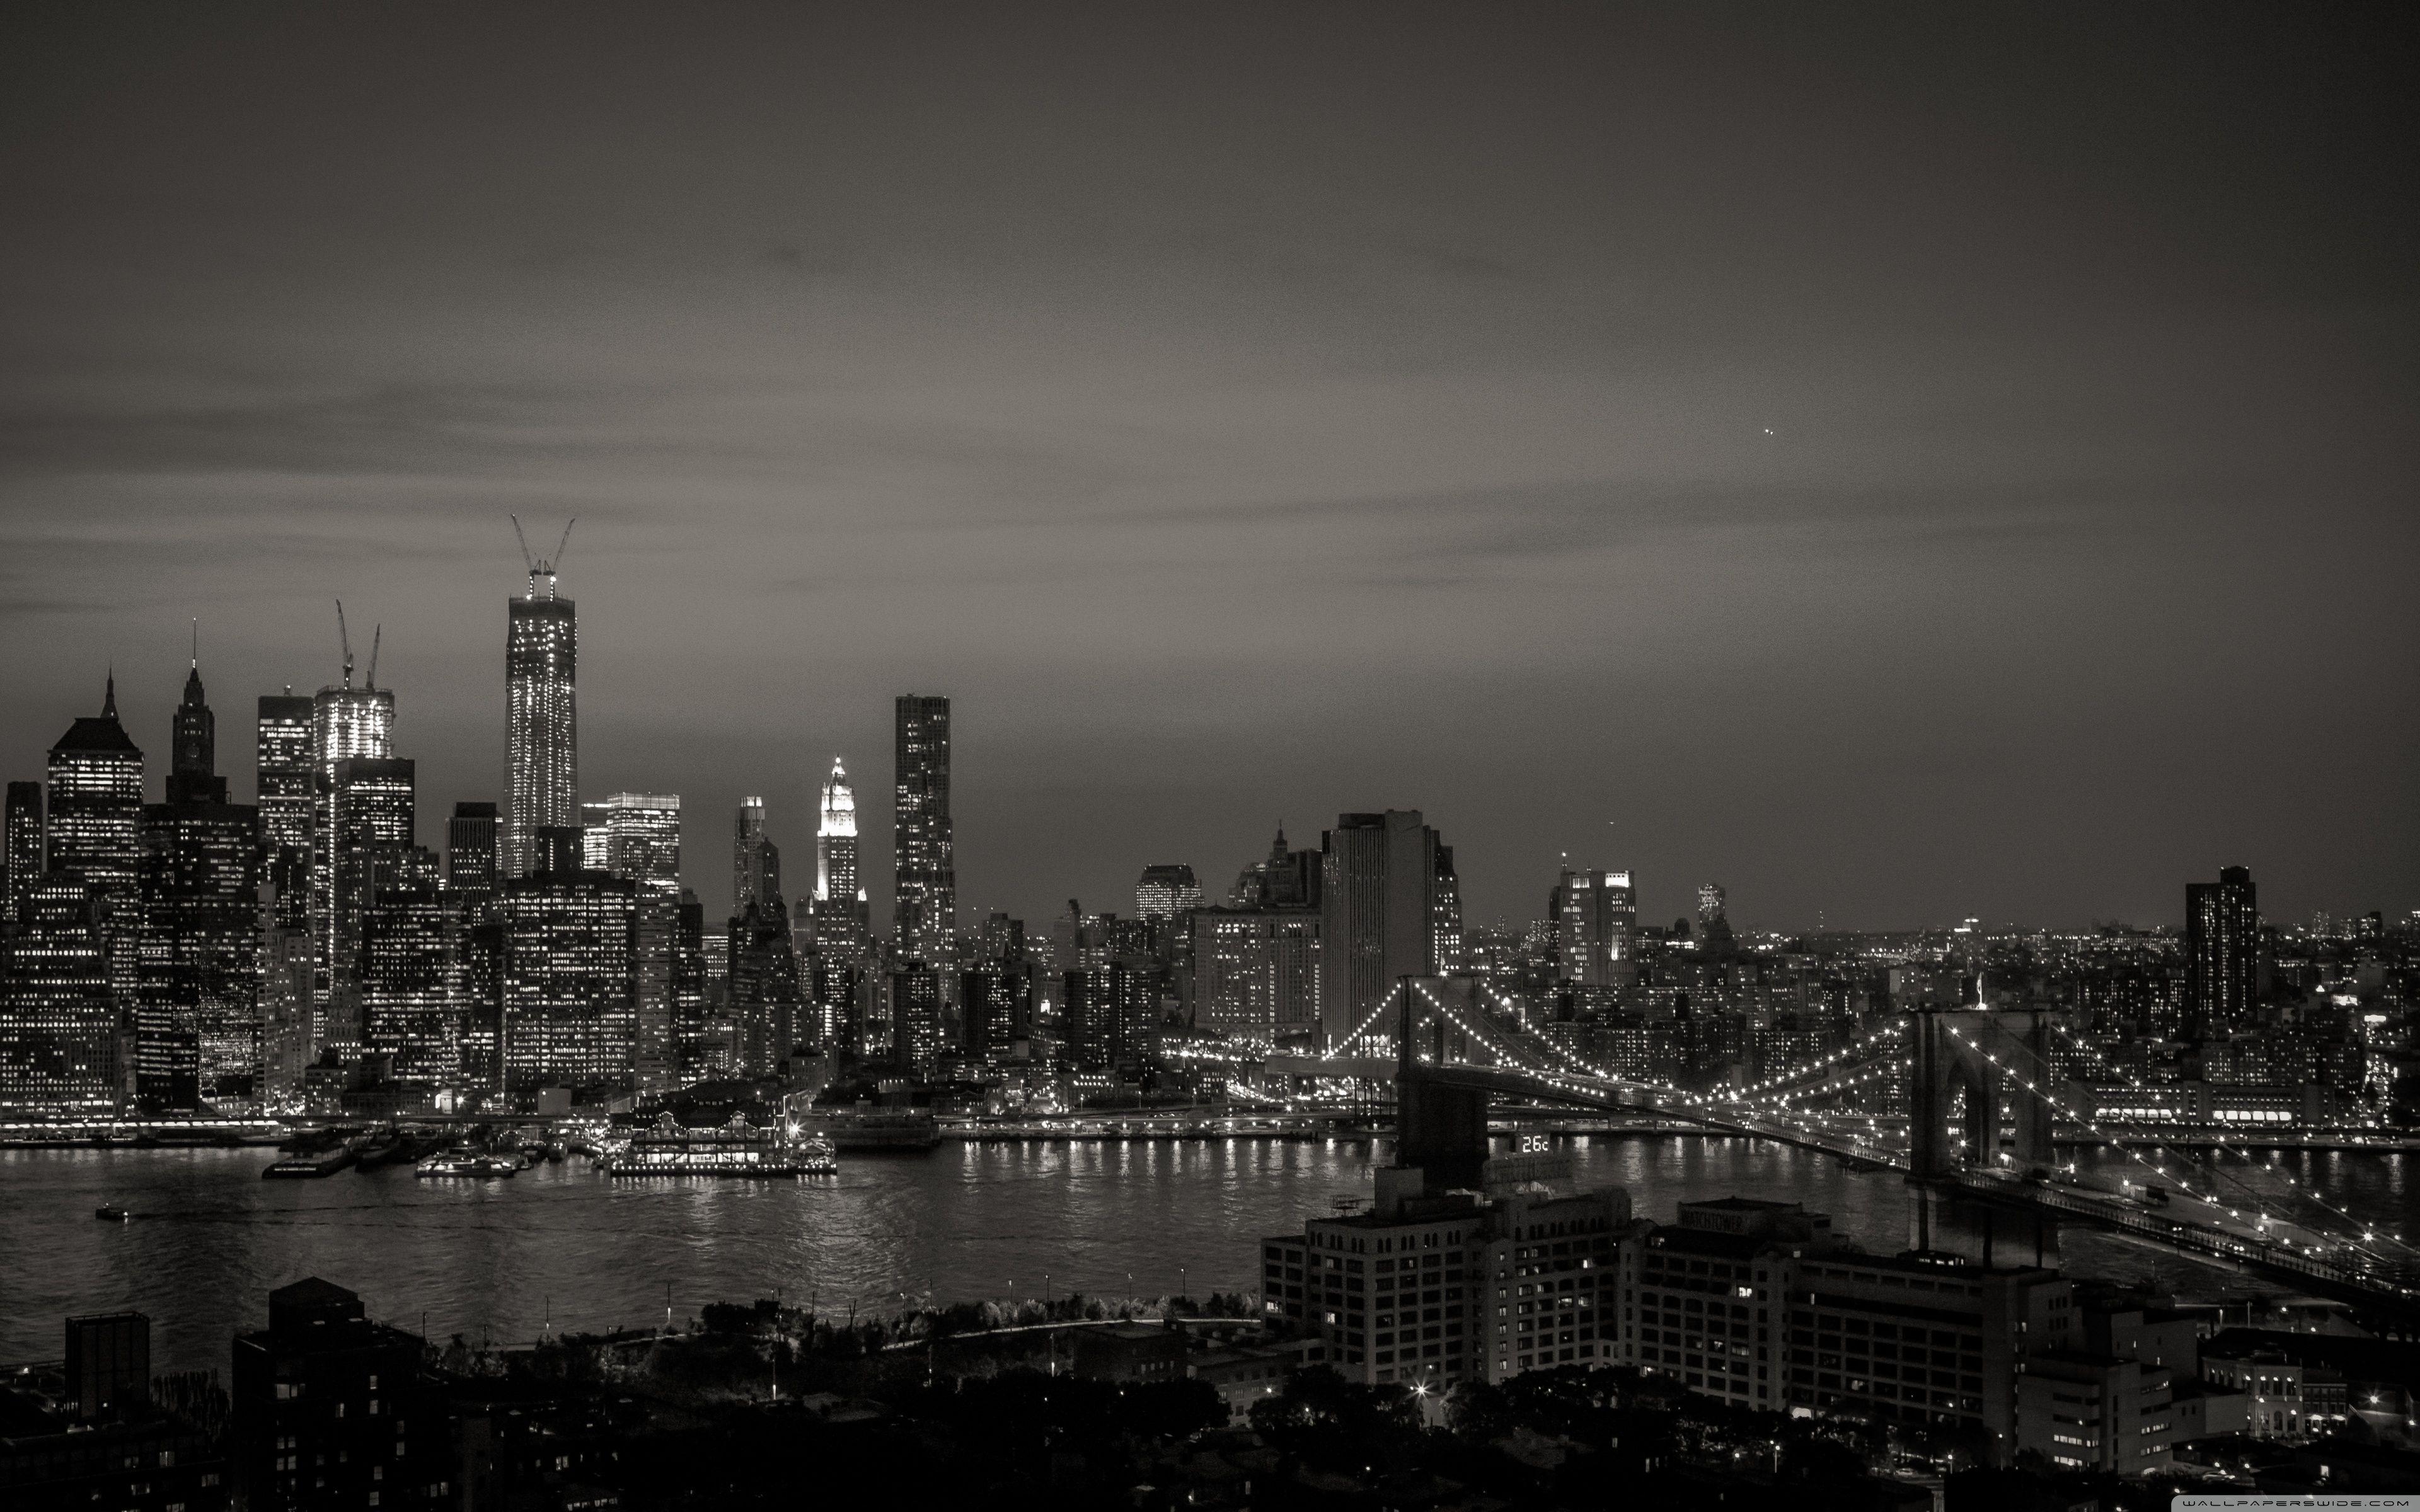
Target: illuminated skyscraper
570	940
1166	891
347	722
59	1022
96	824
1384	889
197	1019
374	807
924	897
643	844
1713	903
282	792
837	882
407	972
755	863
542	755
472	858
21	852
1596	922
2222	953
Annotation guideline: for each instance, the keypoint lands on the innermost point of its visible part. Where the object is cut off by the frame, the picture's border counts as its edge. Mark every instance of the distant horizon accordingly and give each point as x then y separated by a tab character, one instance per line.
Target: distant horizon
794	832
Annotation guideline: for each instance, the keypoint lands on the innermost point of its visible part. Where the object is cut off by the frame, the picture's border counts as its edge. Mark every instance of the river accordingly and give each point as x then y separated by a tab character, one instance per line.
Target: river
560	1246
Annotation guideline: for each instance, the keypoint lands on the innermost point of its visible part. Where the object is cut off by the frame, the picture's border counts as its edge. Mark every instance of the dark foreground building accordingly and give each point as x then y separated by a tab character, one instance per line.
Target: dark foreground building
330	1410
88	1435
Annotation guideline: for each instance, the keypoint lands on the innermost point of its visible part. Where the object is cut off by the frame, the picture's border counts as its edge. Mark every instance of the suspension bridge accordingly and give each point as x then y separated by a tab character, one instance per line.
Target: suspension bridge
1977	1146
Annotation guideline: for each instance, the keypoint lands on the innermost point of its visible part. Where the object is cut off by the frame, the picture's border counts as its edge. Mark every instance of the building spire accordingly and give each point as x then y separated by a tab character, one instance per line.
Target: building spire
109	696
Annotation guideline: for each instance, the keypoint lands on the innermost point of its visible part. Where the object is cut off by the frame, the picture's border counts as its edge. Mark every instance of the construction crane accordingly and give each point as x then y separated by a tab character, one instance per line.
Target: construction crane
345	640
549	565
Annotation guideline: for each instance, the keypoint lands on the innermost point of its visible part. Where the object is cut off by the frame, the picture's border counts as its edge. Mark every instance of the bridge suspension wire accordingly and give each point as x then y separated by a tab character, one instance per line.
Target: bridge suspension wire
1873	1037
2093	1125
2216	1172
2305	1193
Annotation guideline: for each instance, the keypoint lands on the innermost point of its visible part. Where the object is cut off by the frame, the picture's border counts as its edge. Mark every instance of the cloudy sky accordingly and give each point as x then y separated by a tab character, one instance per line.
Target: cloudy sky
1901	463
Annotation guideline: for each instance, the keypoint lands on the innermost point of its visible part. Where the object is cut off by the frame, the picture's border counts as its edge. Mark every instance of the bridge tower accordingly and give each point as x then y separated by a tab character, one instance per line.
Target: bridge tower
1966	1067
1439	1128
1969	1110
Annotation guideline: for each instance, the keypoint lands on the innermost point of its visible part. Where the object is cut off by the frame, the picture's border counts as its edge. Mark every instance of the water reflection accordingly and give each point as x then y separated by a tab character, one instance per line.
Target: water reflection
493	1260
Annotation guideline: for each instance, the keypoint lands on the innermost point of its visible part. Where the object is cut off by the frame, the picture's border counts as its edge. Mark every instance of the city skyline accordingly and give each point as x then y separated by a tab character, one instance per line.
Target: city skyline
1440	452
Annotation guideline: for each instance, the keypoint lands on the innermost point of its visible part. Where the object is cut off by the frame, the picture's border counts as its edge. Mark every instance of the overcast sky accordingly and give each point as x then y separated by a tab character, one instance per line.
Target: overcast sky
1902	464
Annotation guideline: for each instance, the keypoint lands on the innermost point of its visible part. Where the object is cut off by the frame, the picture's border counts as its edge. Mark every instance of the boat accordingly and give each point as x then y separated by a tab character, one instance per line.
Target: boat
310	1167
860	1130
735	1148
110	1212
470	1163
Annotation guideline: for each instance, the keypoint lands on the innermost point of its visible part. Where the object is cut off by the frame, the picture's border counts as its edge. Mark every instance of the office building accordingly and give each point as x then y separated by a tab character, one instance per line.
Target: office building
373	813
1436	1290
924	893
329	1410
1596	924
59	1018
1256	973
197	1014
692	1019
1285	878
641	832
289	1019
96	832
1110	1017
1713	902
916	1039
473	858
762	988
281	754
995	1004
1166	892
1381	914
755	861
2222	954
541	714
20	850
347	723
571	941
408	976
596	840
838	915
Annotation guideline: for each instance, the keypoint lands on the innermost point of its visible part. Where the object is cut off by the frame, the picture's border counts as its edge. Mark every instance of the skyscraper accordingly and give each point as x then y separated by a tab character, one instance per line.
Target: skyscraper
1380	912
542	754
643	844
2222	953
20	850
1166	891
925	896
1712	904
571	937
59	1022
197	1018
346	722
96	824
838	913
407	980
282	792
193	745
472	857
1597	922
373	806
749	850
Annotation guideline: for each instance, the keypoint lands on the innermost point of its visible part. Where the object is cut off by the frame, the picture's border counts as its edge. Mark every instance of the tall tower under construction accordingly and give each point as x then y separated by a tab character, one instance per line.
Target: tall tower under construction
542	727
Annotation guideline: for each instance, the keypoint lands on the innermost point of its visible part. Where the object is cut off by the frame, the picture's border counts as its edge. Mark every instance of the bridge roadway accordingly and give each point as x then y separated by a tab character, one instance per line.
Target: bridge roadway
2369	1285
